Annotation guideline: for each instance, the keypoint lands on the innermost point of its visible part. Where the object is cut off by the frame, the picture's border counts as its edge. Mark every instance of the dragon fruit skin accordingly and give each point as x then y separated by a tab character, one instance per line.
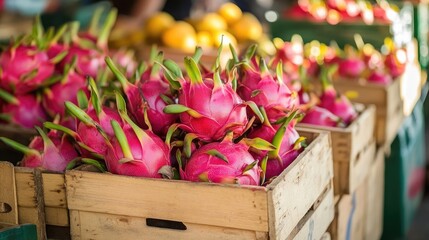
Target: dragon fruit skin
146	96
55	97
321	117
50	151
263	89
351	67
126	61
219	108
89	61
136	152
19	63
209	108
287	151
336	103
395	67
204	167
380	78
25	110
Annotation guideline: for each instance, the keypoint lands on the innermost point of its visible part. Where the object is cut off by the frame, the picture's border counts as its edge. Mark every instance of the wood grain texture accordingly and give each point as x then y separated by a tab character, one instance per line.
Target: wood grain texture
386	99
55	199
375	198
170	200
30	198
101	226
316	222
288	201
8	211
349	146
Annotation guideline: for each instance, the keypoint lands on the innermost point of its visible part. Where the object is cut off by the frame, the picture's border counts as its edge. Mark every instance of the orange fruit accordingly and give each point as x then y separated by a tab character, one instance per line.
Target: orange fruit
223	37
181	35
247	28
204	39
211	22
230	12
156	24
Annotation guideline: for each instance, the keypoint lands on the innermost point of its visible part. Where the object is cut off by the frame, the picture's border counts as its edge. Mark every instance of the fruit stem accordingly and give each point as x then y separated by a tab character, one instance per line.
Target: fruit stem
122	139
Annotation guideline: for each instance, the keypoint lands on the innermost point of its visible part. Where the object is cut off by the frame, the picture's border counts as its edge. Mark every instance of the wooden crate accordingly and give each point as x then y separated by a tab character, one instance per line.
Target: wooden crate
106	206
21	197
207	59
41	199
393	102
349	221
353	149
326	236
375	198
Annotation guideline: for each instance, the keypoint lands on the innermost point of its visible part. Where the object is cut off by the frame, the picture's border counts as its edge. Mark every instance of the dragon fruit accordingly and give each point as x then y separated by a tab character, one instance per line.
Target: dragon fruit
262	88
379	77
321	117
223	162
125	59
133	151
26	64
90	56
90	122
50	151
287	144
208	108
147	98
333	101
24	68
65	90
351	67
23	110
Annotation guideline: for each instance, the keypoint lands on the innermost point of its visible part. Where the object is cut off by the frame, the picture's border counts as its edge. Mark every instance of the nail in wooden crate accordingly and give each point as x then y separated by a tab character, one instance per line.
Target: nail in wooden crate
393	102
350	213
107	206
375	198
353	149
41	199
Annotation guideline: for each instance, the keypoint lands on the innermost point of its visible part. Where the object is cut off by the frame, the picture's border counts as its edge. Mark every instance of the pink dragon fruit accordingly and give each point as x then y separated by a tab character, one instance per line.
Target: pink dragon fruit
321	117
263	89
223	162
65	90
125	59
137	152
150	98
333	101
379	77
91	121
24	68
395	62
24	110
351	67
51	152
209	108
90	58
287	144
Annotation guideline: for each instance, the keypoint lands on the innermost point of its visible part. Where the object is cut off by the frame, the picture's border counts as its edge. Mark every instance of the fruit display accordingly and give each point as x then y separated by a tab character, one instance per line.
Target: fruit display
335	11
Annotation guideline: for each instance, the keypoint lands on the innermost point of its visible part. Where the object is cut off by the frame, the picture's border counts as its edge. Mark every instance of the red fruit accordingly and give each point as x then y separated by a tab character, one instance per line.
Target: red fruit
351	67
321	117
380	78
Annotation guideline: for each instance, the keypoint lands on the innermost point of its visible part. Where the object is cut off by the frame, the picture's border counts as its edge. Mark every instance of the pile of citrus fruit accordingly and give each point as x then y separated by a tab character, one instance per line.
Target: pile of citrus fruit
229	24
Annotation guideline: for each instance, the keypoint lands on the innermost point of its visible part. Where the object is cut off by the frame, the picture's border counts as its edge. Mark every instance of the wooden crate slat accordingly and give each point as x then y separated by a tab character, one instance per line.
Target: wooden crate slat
57	216
9	213
316	221
54	190
360	167
375	198
246	208
101	226
288	203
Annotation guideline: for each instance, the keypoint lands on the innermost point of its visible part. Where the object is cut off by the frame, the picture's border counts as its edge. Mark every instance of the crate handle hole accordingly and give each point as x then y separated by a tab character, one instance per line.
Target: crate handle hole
5	208
161	223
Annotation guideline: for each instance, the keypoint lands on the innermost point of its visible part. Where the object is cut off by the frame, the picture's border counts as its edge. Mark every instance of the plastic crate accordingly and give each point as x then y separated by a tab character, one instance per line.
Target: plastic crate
404	176
21	232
